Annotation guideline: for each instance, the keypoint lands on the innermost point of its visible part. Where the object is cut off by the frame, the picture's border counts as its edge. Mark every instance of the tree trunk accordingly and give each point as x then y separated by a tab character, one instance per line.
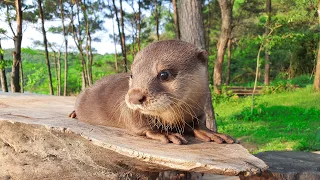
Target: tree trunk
121	34
175	18
229	61
45	46
88	43
192	31
267	55
3	78
207	30
56	68
15	73
191	23
123	39
317	72
316	84
65	51
21	78
156	17
226	18
90	60
134	27
133	41
139	25
59	73
78	40
114	40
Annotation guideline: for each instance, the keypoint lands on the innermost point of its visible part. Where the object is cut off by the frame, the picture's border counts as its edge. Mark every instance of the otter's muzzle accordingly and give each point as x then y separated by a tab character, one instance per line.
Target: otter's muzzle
136	96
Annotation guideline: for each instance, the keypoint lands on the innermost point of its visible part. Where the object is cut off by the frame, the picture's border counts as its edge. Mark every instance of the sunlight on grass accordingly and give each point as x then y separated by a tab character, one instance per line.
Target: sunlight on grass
284	121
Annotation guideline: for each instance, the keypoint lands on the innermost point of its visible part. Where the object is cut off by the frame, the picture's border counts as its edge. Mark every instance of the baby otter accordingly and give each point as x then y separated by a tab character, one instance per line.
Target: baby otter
162	98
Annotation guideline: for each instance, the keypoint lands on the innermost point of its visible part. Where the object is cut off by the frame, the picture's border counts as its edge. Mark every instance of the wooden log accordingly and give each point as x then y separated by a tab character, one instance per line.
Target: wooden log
30	113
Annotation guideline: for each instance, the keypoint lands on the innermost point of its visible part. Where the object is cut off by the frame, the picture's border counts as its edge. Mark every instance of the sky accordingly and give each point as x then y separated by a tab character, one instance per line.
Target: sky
32	32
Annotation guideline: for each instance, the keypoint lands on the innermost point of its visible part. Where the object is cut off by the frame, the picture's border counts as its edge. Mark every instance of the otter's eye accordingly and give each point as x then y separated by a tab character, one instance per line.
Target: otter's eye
164	75
131	76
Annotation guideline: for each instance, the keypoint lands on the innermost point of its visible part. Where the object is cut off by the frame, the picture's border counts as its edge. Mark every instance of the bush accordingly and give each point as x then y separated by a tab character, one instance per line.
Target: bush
302	81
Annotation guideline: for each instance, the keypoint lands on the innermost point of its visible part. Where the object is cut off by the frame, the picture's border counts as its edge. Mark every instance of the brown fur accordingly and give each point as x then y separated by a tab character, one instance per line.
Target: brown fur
145	104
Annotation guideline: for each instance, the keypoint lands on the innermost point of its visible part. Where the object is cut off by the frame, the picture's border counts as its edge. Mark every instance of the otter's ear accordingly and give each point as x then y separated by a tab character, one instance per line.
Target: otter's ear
203	56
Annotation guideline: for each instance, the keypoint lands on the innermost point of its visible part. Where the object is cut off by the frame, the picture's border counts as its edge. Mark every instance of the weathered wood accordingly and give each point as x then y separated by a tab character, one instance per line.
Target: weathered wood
51	112
244	91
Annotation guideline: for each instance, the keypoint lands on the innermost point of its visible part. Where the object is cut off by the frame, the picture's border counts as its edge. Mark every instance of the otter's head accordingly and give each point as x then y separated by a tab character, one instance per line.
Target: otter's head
168	82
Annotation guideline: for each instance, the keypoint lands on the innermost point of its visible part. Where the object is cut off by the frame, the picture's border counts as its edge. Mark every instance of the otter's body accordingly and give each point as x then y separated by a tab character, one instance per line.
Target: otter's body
165	93
104	104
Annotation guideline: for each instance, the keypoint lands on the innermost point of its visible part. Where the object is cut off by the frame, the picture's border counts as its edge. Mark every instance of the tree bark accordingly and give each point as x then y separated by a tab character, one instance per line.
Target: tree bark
226	18
229	61
191	23
65	88
45	47
267	54
316	83
3	78
192	31
175	18
15	73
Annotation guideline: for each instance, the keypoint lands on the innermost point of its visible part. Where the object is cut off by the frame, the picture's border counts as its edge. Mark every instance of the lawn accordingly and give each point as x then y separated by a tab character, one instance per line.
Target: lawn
283	121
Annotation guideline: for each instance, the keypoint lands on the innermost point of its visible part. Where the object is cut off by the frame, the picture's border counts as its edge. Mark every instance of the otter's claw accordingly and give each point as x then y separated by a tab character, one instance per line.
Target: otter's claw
206	135
165	137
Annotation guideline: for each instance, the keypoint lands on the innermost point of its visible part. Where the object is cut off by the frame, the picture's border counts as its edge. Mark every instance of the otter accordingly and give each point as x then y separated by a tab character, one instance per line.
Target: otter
162	98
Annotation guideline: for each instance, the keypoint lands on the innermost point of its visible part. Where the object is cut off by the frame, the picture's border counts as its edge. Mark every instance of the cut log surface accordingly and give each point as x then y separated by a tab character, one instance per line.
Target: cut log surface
49	113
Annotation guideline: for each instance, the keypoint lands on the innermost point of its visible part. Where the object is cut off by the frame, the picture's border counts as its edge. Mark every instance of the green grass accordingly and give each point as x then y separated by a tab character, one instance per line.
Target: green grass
284	121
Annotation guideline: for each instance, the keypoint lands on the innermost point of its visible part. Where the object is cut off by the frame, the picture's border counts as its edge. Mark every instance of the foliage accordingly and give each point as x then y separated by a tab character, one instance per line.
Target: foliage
284	121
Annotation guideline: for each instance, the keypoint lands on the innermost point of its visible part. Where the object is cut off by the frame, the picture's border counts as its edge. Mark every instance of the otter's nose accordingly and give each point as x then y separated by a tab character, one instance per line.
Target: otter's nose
136	96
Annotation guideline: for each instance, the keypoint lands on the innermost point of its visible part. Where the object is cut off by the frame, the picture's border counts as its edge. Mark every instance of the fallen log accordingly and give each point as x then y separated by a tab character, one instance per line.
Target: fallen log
38	126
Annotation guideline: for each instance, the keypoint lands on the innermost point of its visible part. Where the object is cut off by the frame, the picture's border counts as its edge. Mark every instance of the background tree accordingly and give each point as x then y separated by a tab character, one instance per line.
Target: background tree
192	30
157	16
120	24
65	37
45	42
113	36
267	54
317	72
17	38
3	78
176	18
225	35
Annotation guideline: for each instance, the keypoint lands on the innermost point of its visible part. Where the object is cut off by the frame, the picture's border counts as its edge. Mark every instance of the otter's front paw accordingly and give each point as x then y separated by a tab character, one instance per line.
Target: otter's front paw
165	137
73	114
207	135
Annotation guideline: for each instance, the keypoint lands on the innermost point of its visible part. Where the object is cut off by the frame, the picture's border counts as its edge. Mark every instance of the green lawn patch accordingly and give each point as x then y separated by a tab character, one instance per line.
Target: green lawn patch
284	121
